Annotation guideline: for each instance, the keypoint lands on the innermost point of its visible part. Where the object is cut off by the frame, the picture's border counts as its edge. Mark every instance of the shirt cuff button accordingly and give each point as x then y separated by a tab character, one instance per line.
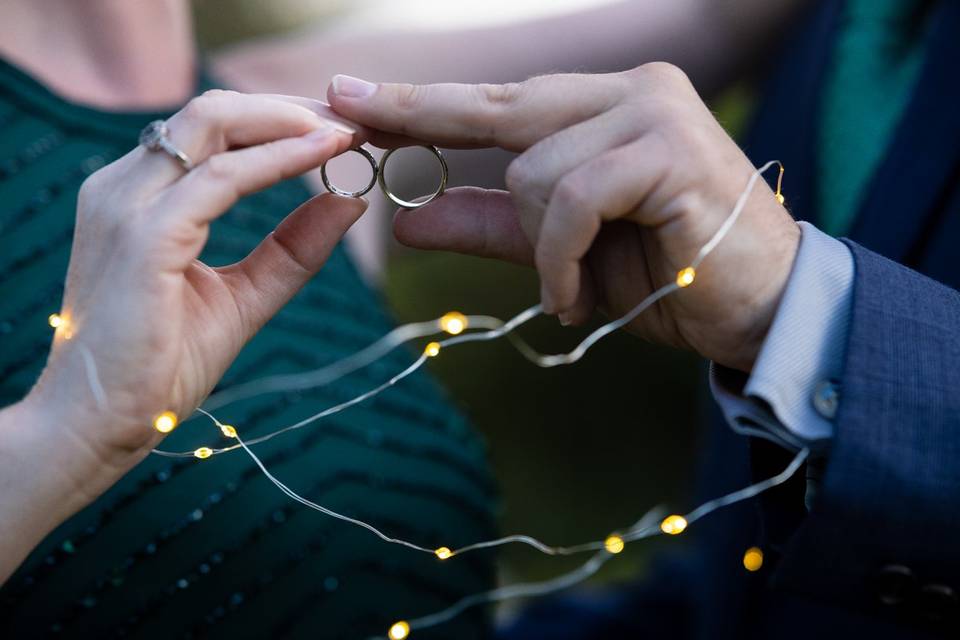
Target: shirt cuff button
826	398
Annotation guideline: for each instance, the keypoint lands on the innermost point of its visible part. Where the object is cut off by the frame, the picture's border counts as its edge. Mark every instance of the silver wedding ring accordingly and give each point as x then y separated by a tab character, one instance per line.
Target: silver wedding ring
352	194
379	176
156	137
407	204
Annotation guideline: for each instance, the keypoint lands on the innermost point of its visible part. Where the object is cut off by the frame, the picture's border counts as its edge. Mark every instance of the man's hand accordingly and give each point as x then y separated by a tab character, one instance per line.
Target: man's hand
621	178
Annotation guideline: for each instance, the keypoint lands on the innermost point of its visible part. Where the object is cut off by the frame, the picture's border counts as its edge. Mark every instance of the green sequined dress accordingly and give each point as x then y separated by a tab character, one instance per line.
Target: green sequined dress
182	548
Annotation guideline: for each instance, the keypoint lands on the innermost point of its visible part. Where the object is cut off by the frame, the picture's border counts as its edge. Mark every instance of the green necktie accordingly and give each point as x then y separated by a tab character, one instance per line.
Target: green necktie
876	60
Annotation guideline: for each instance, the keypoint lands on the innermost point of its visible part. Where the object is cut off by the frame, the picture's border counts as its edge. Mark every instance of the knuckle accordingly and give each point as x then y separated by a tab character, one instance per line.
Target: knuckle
202	109
218	168
409	96
520	176
218	93
493	107
500	95
665	72
571	193
90	188
94	196
636	74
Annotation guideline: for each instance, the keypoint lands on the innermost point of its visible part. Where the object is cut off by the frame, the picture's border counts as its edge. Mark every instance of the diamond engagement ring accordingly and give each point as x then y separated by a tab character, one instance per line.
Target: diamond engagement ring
156	137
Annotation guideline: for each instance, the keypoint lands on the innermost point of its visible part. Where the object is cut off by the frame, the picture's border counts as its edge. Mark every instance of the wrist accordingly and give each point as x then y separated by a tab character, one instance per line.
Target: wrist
66	468
36	494
772	258
47	473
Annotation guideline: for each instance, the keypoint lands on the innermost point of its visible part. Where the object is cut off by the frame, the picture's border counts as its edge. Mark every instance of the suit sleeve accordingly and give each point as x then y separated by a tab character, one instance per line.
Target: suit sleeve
884	530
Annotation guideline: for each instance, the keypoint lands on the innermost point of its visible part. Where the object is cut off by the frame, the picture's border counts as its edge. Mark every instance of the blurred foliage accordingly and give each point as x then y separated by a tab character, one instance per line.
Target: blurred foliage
223	22
734	107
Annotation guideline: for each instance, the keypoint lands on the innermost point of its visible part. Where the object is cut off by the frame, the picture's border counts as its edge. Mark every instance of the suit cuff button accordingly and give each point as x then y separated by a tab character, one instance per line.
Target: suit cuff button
895	584
938	602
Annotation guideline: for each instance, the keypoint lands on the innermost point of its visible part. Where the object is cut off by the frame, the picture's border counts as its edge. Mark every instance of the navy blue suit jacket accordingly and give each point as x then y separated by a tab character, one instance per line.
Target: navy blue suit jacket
878	554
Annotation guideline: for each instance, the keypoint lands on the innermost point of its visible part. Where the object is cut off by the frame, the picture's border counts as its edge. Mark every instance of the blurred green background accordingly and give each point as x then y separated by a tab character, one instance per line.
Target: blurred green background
578	451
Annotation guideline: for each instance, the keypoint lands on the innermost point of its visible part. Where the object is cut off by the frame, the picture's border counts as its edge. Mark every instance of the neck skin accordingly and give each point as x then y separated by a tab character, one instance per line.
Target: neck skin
110	54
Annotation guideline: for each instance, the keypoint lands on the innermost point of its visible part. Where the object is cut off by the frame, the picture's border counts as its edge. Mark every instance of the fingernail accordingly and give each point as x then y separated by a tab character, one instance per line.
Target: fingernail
350	87
320	133
546	301
339	126
565	319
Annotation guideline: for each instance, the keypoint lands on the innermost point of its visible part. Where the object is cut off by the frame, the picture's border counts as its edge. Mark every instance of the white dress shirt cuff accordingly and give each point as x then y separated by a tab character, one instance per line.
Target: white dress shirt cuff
792	394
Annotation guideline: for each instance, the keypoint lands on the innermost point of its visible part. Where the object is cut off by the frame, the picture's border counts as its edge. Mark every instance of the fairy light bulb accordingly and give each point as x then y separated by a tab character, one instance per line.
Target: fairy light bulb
399	630
613	544
61	325
165	422
228	430
753	559
203	453
443	553
432	349
673	525
454	322
685	277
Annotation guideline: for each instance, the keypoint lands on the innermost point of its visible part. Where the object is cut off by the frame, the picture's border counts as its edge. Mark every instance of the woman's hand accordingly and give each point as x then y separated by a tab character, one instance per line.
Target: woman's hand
621	178
161	326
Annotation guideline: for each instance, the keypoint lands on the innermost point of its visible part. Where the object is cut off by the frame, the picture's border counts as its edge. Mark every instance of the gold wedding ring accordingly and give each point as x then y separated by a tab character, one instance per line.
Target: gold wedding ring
352	194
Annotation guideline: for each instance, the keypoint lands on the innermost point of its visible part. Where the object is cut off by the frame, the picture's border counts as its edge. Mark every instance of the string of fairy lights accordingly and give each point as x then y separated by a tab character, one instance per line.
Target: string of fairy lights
460	329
